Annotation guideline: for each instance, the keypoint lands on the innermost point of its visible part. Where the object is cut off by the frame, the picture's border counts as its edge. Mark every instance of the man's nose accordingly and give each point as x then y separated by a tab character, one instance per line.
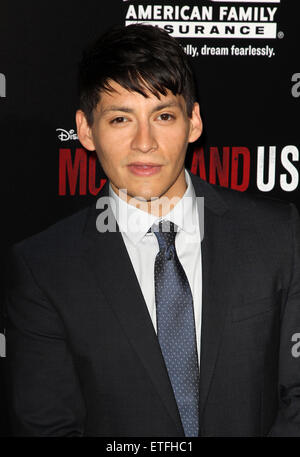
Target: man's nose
144	138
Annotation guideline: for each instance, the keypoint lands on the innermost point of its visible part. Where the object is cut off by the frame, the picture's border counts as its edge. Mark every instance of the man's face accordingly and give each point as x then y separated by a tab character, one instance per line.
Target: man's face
130	129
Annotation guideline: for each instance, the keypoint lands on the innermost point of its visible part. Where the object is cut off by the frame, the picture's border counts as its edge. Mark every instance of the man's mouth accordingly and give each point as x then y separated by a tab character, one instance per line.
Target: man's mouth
144	169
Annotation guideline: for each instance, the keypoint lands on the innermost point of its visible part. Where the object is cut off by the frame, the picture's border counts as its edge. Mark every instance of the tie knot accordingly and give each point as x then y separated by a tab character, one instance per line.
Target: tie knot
165	233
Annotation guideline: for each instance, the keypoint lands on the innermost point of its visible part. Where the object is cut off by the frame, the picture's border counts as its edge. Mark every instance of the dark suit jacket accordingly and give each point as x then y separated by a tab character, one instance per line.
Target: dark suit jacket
82	352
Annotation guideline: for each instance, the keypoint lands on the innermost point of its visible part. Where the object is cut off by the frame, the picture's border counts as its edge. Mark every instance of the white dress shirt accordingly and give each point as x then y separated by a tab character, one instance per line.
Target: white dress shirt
143	247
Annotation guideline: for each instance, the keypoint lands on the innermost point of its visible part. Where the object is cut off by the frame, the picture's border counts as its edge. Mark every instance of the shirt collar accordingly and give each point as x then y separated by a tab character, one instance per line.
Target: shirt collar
135	223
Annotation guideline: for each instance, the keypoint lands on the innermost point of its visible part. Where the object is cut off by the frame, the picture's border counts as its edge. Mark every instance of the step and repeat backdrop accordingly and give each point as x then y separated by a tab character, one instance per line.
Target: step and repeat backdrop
247	64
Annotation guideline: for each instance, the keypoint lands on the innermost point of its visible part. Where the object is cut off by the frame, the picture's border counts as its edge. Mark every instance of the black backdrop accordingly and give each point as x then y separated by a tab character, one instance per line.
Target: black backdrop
247	102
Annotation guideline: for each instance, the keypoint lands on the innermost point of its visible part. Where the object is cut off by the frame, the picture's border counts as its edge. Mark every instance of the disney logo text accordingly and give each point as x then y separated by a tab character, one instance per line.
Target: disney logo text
65	135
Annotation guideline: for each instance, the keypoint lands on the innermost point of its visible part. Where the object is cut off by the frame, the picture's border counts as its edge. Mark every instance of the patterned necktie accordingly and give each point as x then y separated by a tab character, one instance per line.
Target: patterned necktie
176	326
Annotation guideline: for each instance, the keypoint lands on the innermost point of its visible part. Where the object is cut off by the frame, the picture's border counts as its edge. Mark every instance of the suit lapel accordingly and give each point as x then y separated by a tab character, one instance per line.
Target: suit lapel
218	272
108	261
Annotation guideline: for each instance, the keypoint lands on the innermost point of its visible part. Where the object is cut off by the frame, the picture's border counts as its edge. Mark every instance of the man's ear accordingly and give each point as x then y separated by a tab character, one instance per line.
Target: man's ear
84	131
196	125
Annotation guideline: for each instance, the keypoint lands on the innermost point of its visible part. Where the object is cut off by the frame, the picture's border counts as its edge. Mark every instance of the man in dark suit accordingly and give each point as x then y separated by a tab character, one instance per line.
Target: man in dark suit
118	325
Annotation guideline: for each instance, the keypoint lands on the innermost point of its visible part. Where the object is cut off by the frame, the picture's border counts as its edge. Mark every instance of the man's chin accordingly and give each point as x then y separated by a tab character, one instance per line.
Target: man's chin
139	194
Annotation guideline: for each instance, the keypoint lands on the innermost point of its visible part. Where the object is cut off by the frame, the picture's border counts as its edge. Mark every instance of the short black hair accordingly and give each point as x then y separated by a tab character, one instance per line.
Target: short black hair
137	57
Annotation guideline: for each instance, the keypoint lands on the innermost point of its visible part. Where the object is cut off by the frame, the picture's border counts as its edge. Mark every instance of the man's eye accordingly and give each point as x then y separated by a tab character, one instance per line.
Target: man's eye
119	120
166	117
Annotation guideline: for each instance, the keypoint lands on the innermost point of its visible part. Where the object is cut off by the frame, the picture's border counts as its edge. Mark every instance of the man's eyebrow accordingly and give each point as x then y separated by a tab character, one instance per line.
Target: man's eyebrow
166	105
126	109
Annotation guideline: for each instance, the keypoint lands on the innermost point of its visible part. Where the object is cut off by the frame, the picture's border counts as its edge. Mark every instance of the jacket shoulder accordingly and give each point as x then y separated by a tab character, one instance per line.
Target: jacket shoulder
247	205
60	238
